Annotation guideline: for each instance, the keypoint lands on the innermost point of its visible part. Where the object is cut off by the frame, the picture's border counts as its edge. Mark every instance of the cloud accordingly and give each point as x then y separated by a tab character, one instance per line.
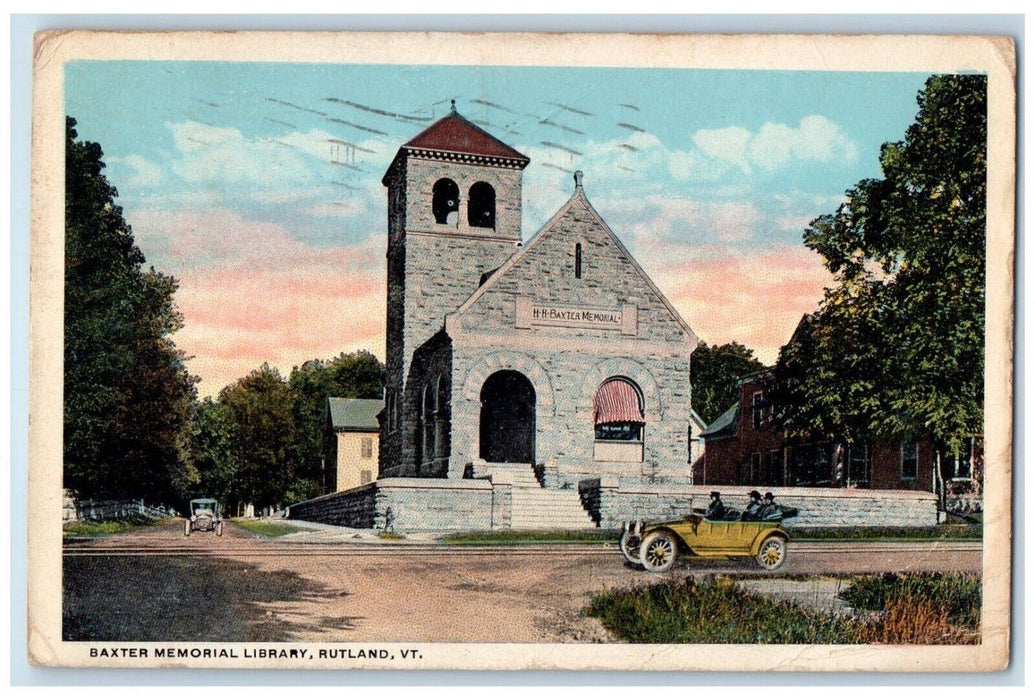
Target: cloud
250	293
754	298
730	143
816	139
142	173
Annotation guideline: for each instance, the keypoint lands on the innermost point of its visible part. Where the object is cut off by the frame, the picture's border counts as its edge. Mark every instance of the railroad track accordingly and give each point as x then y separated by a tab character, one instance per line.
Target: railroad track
323	549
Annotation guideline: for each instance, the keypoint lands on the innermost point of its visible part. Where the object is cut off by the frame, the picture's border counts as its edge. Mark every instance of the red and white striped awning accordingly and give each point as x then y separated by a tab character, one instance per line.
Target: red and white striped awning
616	402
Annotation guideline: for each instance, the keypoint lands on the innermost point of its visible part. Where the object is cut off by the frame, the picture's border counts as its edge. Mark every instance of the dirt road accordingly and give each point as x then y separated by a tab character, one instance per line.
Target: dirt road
154	584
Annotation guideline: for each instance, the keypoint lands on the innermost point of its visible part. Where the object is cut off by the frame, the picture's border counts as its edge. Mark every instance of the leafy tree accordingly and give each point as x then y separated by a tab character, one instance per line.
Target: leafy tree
214	456
262	437
714	373
357	375
127	394
897	345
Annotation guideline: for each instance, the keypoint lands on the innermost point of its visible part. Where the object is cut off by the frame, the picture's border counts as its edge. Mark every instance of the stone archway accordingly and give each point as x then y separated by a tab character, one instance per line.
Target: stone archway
507	419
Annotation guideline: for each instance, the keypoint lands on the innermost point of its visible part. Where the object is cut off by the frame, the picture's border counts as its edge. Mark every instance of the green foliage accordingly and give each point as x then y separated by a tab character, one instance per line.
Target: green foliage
897	346
714	373
518	537
106	527
957	594
266	529
263	438
939	608
864	534
717	612
357	375
262	441
128	398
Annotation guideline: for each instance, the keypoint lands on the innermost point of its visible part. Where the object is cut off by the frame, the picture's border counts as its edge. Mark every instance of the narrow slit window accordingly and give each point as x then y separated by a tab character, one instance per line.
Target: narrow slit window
578	261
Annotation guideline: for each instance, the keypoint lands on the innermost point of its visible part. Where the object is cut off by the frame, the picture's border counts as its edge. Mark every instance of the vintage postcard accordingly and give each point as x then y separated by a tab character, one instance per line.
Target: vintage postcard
515	351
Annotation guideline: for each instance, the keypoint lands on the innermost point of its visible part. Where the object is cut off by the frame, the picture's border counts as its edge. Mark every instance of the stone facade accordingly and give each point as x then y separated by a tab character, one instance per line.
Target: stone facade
410	505
612	502
472	314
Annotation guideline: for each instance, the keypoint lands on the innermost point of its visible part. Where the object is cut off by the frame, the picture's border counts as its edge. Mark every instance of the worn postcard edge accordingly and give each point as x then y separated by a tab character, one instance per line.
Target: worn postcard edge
994	56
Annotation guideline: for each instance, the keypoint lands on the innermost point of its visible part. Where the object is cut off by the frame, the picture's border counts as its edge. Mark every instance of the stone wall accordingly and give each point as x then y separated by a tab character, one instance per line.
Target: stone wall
611	502
413	505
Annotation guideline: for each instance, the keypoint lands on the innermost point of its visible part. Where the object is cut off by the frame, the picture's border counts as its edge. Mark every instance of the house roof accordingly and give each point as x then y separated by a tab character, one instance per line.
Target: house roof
724	424
355	414
697	420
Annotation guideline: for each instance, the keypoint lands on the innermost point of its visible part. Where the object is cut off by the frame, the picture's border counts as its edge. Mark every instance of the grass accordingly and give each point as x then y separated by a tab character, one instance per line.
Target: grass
106	528
717	612
266	529
949	531
520	537
959	595
891	609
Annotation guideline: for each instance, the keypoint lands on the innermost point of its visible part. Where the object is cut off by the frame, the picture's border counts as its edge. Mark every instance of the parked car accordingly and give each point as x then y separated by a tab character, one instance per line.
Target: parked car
657	547
203	516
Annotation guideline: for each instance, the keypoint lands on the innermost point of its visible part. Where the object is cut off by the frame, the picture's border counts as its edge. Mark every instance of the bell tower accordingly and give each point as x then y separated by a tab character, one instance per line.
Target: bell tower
454	215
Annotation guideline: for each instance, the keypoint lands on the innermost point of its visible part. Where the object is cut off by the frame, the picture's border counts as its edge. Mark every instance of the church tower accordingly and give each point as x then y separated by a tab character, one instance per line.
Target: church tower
454	215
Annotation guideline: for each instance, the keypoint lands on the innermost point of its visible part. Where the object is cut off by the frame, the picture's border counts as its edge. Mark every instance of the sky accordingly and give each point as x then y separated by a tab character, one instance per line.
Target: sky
258	185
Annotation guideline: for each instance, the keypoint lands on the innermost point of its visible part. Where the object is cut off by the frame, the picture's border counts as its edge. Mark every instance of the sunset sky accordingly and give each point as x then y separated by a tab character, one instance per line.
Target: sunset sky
237	180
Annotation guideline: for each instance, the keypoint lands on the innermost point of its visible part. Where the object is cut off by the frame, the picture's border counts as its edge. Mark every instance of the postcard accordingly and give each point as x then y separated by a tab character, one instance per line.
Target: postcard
521	351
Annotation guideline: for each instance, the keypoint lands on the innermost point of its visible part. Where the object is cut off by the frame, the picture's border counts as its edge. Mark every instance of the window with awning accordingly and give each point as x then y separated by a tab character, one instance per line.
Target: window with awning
618	411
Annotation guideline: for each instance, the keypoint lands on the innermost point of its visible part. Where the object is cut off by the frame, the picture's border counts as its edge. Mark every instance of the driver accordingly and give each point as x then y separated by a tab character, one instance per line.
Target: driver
716	510
754	509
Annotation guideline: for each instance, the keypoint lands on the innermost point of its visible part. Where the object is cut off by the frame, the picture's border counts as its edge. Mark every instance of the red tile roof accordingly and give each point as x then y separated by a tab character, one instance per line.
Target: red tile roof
455	134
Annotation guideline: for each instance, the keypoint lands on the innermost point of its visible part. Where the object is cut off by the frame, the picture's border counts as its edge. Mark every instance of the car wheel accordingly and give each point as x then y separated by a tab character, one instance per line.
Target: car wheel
630	546
219	529
773	553
659	552
186	528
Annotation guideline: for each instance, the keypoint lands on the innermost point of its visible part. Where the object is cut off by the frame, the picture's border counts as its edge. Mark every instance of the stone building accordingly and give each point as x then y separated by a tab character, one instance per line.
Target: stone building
557	358
350	445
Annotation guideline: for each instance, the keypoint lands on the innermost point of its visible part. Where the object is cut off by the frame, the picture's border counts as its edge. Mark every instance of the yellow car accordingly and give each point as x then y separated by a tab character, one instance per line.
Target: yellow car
656	547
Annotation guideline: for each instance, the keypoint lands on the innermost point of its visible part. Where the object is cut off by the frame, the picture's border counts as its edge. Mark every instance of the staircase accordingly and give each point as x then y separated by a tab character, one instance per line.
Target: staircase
534	508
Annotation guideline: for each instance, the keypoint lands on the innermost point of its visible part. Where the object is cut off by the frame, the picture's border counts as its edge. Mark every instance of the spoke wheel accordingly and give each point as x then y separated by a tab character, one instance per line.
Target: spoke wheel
659	552
630	545
773	553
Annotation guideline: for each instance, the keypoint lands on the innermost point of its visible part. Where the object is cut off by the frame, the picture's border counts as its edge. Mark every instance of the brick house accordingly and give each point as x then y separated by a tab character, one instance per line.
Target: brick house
745	447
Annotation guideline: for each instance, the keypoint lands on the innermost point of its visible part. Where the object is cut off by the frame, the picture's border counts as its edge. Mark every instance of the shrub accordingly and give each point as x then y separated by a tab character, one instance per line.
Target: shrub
958	595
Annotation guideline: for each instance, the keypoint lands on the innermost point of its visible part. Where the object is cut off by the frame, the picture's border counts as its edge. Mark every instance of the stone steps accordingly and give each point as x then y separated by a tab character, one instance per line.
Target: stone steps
543	509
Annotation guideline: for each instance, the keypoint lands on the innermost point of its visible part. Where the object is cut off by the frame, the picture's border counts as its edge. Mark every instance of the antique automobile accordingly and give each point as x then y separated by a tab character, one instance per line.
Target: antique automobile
203	517
657	547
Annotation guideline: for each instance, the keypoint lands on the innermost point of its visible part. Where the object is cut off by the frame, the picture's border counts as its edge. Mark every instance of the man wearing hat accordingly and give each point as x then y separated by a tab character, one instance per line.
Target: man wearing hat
754	509
716	511
769	507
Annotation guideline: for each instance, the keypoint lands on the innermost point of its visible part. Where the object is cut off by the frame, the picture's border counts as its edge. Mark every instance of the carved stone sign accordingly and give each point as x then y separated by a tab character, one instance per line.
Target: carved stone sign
530	313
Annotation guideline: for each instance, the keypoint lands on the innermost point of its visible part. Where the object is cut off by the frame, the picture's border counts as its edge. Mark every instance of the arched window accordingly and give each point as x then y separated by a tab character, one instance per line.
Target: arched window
618	411
578	261
481	206
445	200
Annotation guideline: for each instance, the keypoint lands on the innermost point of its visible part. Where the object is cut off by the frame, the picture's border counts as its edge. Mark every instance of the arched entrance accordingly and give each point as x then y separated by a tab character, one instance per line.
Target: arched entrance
507	427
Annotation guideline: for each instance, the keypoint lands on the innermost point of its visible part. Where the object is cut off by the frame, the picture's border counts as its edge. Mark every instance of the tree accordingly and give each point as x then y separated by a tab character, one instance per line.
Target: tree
357	375
897	345
262	438
127	394
213	454
714	373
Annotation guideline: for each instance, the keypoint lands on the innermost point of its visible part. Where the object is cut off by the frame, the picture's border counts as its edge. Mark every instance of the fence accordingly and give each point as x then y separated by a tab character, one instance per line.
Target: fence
114	510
